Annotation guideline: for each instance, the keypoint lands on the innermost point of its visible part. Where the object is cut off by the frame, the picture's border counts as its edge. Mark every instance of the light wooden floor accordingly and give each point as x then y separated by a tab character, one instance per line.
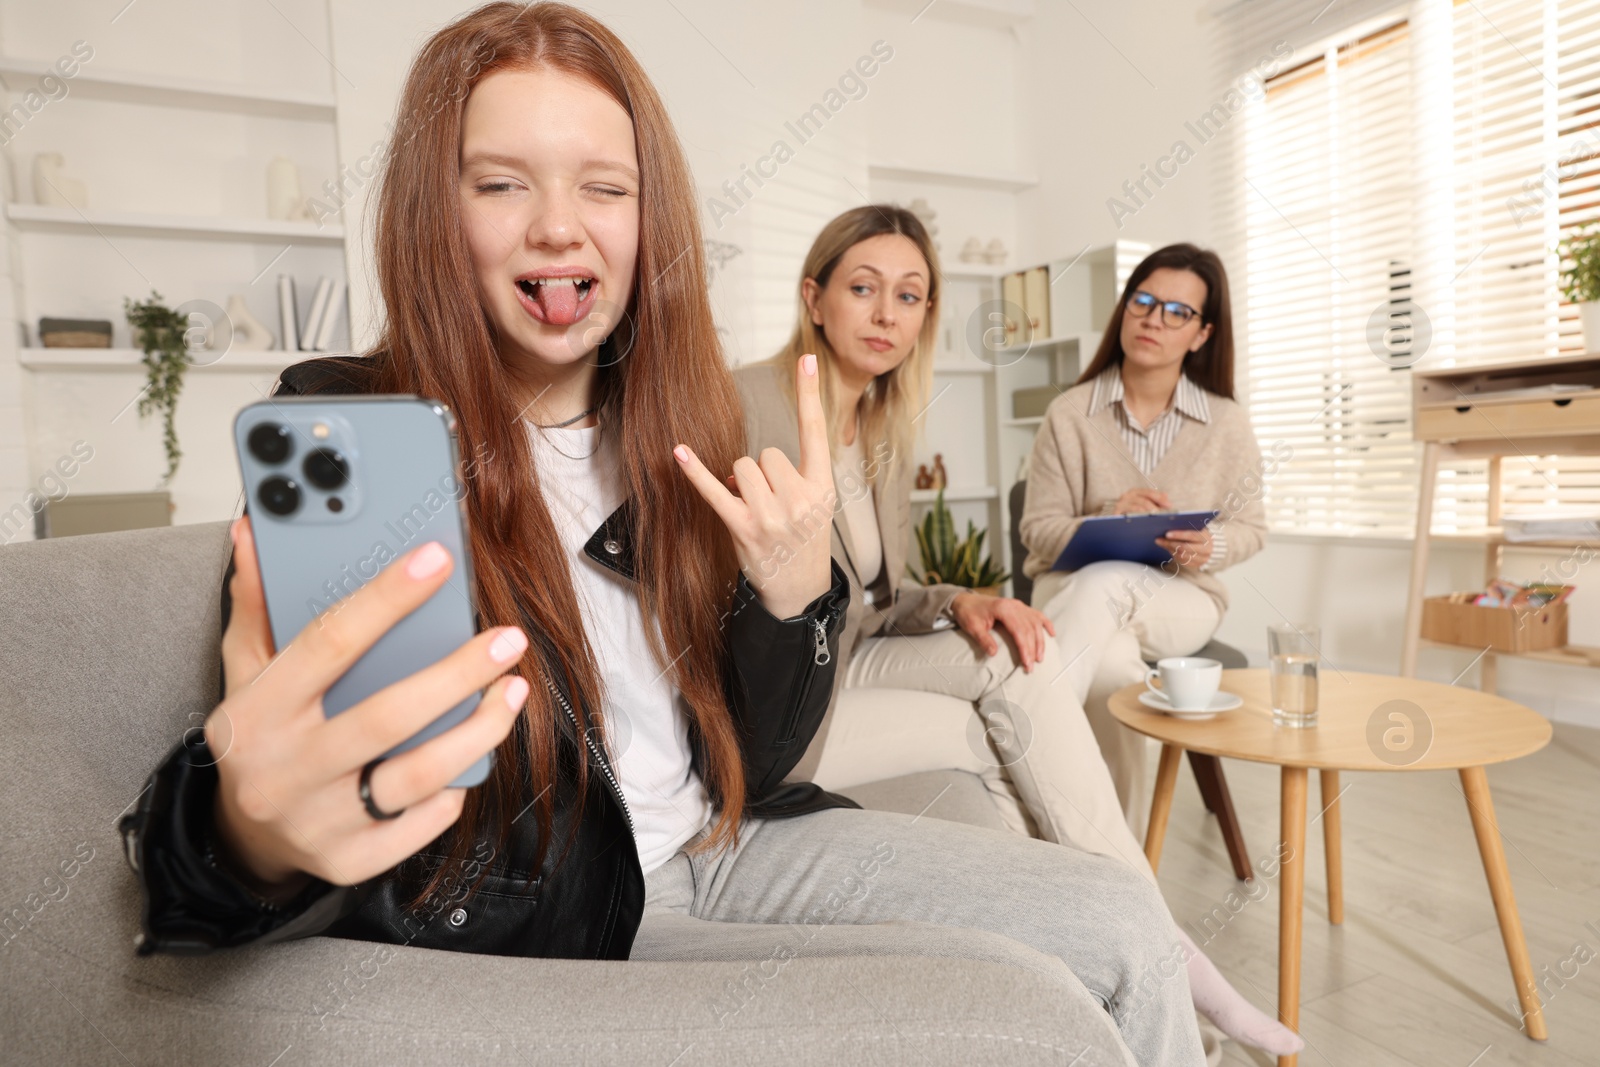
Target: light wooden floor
1417	974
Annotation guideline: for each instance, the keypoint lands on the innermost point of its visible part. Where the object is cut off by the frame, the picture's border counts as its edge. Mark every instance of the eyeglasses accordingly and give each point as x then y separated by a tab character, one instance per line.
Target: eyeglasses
1174	313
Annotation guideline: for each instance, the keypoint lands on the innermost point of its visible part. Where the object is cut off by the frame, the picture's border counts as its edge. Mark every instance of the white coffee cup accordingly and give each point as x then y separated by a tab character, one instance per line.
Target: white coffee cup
1187	682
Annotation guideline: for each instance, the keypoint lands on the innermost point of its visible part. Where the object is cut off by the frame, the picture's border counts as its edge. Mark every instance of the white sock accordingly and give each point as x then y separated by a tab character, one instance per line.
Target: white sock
1226	1007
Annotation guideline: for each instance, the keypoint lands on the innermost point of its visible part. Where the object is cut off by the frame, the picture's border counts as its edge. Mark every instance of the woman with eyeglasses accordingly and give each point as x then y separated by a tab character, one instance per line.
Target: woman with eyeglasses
1150	425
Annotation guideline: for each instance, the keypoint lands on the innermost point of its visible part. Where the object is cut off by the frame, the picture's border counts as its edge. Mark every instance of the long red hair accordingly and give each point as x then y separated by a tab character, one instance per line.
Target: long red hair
670	385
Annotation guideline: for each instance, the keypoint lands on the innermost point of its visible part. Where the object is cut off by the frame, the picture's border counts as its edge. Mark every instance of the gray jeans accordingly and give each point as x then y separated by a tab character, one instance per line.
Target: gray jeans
845	867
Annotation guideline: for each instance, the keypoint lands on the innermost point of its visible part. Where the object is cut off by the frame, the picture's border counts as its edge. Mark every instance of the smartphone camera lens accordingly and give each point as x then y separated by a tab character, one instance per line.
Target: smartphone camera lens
279	495
326	469
269	442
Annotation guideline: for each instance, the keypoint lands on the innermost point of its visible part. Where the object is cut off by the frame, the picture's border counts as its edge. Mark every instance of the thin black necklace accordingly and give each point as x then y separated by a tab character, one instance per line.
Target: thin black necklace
569	422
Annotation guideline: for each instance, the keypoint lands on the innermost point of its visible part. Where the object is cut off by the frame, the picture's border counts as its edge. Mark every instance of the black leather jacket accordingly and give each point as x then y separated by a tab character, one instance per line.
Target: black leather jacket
587	905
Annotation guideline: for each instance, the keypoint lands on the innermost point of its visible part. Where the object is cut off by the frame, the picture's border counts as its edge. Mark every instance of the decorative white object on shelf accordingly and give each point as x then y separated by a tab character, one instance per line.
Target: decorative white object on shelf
996	252
52	188
284	199
249	333
1589	317
972	251
925	213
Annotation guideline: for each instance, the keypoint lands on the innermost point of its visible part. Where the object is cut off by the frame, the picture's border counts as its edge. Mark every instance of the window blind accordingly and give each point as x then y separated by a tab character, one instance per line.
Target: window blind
1325	209
1393	200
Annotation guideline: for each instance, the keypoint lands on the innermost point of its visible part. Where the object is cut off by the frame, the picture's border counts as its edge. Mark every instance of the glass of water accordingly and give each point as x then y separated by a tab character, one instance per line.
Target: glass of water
1293	655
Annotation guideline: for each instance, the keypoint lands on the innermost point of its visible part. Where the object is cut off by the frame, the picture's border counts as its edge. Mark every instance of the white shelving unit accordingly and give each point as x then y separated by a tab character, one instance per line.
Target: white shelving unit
35	218
176	173
20	75
955	494
1084	290
963	272
129	359
999	182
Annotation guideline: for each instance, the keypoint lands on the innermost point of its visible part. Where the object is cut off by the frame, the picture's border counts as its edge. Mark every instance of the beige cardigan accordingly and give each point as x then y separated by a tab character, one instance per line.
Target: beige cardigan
1079	466
904	607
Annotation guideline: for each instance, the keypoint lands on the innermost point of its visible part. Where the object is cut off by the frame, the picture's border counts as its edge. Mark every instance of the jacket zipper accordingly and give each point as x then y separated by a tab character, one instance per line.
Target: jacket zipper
819	657
605	768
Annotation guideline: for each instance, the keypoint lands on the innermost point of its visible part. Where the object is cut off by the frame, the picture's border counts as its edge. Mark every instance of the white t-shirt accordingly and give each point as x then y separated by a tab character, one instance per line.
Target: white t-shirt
860	513
647	719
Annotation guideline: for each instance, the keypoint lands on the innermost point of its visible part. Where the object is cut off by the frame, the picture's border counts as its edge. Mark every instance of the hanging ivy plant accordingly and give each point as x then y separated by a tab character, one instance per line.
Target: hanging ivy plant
160	331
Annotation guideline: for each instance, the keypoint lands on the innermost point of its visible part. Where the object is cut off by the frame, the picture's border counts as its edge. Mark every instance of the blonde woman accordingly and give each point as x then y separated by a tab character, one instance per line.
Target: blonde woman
868	293
869	268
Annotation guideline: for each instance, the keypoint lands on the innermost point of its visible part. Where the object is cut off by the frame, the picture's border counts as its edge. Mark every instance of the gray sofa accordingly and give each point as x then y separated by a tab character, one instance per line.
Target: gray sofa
109	653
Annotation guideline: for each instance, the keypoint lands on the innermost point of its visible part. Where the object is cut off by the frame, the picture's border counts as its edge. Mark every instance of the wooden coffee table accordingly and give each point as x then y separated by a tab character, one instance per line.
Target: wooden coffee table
1367	722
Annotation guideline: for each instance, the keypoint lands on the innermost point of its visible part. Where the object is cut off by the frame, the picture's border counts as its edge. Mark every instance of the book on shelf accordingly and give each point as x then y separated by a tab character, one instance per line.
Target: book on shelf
319	304
1036	302
1532	526
288	313
1013	304
330	315
1026	298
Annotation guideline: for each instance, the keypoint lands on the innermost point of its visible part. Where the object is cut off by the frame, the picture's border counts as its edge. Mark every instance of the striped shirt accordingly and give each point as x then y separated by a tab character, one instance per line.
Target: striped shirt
1147	445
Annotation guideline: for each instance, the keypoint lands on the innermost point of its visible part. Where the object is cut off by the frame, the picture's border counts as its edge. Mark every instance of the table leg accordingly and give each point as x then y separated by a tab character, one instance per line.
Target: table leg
1292	887
1161	803
1331	846
1214	788
1411	639
1475	784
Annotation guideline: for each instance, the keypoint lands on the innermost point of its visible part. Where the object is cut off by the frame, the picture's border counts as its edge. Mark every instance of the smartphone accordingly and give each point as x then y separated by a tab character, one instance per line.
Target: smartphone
337	488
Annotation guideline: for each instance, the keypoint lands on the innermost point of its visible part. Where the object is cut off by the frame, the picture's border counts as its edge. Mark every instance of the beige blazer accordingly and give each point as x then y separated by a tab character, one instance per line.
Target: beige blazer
1080	466
903	605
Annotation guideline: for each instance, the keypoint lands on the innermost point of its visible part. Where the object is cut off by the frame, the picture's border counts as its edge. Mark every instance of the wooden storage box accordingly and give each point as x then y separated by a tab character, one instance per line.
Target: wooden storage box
92	513
1501	629
1031	403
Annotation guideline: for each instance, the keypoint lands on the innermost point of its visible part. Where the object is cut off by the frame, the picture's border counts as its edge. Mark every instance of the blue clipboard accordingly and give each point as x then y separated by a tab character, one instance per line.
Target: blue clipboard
1127	537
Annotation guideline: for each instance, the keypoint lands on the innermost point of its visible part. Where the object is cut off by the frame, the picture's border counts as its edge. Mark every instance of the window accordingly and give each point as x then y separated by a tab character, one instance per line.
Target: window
1393	200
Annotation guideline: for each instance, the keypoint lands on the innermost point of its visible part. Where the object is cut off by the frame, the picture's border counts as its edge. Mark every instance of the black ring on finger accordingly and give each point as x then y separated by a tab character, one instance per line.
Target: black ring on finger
366	794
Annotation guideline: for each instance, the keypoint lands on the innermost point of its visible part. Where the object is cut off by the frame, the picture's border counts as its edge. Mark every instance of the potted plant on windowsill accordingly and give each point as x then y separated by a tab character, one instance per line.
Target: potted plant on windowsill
1580	282
948	561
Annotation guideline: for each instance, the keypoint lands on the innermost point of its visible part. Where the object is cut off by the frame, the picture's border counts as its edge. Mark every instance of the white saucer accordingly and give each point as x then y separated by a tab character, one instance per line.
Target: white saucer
1220	702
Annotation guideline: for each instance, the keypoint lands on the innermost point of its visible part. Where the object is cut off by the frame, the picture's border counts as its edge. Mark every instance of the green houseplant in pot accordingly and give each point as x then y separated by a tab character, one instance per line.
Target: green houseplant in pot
1580	282
159	332
946	560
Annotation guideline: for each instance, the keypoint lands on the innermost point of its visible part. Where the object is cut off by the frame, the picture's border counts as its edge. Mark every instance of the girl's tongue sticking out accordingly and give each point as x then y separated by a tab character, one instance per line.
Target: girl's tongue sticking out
557	301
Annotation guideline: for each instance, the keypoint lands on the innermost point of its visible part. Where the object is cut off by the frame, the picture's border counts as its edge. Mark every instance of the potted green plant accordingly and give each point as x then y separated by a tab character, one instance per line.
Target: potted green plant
945	560
1580	282
159	332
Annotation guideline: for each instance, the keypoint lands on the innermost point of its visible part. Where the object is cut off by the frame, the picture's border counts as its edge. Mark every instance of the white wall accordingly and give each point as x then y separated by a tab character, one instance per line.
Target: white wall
1109	86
